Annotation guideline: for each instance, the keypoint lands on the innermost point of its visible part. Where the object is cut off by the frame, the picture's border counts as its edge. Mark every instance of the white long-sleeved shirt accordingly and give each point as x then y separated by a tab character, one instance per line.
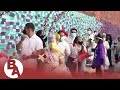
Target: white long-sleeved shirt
64	46
30	45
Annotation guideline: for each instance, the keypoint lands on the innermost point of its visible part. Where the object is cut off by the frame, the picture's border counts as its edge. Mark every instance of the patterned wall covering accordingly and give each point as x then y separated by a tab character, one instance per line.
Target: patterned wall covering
12	23
109	19
110	28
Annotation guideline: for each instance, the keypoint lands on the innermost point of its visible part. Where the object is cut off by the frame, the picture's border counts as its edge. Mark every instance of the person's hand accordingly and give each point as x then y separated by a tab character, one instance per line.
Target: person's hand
75	61
41	57
23	38
90	54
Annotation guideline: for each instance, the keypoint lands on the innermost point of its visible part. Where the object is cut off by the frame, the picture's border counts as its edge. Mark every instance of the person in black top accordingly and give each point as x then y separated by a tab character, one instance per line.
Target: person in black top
41	35
109	39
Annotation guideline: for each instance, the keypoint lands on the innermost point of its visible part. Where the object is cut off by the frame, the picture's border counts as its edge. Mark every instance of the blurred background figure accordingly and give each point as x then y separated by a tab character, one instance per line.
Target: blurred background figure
107	47
90	34
64	46
116	48
109	39
42	36
91	45
117	55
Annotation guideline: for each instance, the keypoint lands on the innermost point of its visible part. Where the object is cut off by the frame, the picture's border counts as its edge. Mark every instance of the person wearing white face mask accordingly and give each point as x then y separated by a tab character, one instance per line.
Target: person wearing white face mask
29	45
90	34
64	46
73	34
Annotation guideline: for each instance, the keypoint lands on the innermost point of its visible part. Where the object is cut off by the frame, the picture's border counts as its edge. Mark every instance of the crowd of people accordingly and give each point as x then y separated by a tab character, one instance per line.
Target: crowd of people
64	53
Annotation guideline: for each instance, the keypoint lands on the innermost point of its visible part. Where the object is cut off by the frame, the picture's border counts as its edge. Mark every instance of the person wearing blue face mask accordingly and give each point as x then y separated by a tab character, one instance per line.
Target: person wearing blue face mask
73	34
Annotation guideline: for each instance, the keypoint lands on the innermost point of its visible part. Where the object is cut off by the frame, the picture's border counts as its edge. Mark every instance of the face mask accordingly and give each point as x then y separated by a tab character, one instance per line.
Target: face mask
89	32
52	45
80	43
42	36
73	35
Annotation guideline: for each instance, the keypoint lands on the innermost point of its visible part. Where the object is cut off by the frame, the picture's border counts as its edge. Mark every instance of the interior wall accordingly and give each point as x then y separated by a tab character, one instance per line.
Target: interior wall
109	16
12	23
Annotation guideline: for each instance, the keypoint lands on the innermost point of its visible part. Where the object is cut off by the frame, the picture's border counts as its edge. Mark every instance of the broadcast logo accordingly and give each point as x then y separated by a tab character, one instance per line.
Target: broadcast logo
13	68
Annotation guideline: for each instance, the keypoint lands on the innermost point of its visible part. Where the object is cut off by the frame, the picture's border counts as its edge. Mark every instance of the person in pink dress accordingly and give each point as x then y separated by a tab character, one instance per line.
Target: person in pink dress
53	59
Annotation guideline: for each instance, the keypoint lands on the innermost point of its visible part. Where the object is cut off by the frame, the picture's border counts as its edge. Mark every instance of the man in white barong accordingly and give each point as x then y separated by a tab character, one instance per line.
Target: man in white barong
29	45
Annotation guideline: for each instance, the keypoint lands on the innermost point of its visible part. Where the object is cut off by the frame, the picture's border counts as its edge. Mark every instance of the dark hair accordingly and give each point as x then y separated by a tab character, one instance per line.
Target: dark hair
100	41
73	29
60	32
118	37
99	36
30	26
38	33
89	29
76	39
109	36
24	32
95	31
89	40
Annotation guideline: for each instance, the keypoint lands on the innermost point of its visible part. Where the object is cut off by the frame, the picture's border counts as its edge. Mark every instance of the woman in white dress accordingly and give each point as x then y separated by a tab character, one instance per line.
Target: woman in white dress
106	45
91	45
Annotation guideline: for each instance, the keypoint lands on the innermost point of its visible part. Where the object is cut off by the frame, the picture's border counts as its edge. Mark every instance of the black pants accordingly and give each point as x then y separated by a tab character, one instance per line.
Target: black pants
109	56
